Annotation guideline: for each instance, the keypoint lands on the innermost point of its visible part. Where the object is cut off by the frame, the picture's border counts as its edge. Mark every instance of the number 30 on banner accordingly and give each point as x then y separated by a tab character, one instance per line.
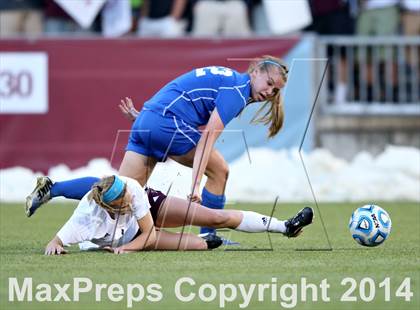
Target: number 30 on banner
19	84
23	83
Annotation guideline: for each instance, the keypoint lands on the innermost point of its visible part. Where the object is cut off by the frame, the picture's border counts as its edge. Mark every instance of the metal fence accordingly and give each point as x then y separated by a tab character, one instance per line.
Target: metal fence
369	75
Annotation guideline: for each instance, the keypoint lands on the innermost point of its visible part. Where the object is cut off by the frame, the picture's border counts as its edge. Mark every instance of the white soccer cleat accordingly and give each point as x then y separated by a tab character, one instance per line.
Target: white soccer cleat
39	196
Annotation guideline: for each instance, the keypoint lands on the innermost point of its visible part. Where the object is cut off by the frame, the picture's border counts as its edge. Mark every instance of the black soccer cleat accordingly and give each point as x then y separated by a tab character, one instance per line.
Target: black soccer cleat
295	224
213	241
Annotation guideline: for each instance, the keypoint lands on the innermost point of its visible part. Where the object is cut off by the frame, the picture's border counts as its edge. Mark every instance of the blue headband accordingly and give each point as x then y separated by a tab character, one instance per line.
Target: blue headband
270	62
114	191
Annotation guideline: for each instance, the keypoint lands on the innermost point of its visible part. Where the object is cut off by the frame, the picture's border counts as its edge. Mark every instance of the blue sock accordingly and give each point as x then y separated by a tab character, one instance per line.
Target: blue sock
211	201
73	189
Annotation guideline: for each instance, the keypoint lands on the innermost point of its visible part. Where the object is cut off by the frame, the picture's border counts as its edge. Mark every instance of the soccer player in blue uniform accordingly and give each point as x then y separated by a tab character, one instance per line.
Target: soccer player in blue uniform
168	126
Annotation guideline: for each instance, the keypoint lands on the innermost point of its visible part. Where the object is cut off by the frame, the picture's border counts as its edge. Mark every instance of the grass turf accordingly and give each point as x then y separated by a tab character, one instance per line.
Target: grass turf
22	242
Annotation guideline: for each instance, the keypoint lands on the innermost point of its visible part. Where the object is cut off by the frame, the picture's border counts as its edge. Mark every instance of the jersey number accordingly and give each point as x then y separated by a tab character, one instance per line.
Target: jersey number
213	70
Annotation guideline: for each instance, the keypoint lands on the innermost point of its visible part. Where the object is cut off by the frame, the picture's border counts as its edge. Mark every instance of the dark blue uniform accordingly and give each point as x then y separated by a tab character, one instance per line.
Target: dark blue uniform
168	123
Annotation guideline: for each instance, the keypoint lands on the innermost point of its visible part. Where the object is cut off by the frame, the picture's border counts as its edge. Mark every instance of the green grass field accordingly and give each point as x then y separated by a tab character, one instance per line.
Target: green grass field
23	241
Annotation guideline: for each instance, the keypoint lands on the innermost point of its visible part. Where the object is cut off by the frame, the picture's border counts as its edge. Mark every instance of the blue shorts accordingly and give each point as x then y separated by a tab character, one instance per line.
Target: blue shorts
158	136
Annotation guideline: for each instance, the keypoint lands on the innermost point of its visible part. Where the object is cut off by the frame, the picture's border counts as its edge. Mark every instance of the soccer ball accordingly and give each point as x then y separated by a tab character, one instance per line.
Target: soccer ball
370	225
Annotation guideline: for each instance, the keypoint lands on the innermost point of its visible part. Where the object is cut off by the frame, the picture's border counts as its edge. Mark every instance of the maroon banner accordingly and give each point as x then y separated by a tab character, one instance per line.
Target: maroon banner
87	79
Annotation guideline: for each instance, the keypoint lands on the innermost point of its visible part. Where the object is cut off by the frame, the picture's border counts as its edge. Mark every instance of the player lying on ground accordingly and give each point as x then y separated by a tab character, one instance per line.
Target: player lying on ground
122	216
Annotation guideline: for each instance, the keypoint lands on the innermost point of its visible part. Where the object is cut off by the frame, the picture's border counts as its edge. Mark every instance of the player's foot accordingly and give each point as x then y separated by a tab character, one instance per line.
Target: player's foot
39	196
224	240
213	241
295	224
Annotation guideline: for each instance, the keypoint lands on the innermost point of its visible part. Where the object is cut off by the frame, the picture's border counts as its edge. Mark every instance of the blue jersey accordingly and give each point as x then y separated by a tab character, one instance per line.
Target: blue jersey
192	97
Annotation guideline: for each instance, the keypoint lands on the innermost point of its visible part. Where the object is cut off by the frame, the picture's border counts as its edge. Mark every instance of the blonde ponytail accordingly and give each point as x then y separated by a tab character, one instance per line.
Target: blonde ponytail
274	106
274	115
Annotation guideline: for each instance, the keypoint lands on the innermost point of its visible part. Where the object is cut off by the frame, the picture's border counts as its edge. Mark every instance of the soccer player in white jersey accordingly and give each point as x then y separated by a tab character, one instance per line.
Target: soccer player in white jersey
168	126
118	214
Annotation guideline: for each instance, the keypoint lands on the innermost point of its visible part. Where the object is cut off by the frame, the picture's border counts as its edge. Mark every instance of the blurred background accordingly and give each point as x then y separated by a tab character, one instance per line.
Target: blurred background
352	99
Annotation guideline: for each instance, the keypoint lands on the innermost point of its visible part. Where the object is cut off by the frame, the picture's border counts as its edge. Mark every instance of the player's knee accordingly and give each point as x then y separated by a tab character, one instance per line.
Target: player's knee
225	172
219	172
219	219
221	175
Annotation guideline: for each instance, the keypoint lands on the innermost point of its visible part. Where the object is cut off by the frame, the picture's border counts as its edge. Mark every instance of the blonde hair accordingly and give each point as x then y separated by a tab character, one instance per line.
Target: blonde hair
274	106
100	188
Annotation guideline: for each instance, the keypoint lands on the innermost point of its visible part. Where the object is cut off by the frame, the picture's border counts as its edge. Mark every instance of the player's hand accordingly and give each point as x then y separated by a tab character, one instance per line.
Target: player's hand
54	248
195	196
127	108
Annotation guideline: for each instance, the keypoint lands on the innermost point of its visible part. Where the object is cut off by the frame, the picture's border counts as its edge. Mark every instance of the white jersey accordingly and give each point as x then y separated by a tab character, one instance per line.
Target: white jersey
90	222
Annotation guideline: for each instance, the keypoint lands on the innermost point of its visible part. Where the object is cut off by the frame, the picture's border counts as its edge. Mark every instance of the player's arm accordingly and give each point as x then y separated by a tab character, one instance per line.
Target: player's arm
67	235
75	230
128	110
145	241
205	145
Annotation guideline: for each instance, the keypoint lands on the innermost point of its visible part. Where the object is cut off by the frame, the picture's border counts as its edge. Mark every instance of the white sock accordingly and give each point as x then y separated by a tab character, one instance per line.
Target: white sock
255	222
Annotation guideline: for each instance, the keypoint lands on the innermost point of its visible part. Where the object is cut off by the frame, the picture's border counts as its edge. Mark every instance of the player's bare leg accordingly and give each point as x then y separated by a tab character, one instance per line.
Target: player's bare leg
217	170
175	241
176	212
137	166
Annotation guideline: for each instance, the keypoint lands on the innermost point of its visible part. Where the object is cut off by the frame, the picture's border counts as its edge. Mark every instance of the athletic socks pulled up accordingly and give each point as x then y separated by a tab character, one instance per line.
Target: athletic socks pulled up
211	201
73	189
255	222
